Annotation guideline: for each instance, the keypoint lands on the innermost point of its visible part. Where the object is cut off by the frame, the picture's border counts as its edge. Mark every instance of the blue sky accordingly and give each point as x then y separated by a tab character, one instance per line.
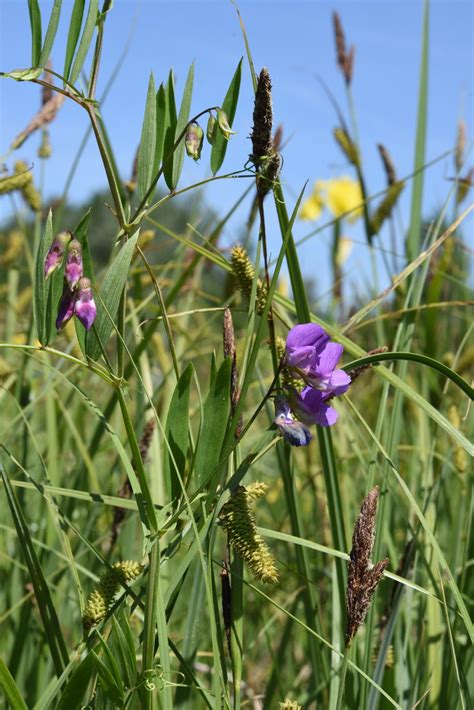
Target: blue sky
295	41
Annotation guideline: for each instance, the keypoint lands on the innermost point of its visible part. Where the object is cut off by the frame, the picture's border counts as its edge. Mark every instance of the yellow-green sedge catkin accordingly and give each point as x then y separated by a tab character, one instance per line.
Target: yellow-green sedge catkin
385	208
244	273
347	146
238	521
288	380
13	182
102	597
29	192
45	150
288	704
460	456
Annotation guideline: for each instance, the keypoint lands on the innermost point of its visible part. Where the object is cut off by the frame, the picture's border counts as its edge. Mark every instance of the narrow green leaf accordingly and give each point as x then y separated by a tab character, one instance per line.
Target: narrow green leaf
170	125
41	286
50	32
229	105
35	24
183	118
177	434
214	425
108	299
73	35
73	693
112	665
107	680
147	148
54	298
85	41
10	689
125	653
161	127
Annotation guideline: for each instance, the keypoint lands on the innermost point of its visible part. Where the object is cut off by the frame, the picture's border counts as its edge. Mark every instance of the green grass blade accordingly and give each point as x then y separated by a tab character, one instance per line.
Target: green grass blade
170	131
41	286
229	106
72	696
147	148
9	687
177	433
50	32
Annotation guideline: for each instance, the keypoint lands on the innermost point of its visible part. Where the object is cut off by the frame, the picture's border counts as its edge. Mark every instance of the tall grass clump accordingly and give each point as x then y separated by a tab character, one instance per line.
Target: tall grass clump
186	451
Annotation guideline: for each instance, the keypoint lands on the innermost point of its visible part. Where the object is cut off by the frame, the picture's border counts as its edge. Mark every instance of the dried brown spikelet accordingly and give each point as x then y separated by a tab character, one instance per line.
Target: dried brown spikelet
347	146
363	577
464	185
386	206
357	371
388	164
237	519
461	140
278	138
262	145
45	115
345	60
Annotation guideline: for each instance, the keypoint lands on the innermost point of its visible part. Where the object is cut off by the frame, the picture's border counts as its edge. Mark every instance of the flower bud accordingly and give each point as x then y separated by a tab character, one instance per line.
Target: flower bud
193	141
223	124
66	307
55	255
74	268
85	308
211	130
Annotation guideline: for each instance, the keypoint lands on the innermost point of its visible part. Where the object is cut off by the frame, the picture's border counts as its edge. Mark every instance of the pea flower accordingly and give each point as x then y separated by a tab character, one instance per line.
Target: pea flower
193	141
311	408
74	269
295	432
66	307
55	255
310	352
85	308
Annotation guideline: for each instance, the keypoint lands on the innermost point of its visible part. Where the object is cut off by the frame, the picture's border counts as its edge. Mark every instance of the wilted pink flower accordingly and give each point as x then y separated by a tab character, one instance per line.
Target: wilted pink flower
66	307
55	255
74	267
85	308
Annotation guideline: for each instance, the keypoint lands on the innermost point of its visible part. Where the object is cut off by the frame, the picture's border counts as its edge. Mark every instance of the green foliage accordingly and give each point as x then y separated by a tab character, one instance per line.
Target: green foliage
132	442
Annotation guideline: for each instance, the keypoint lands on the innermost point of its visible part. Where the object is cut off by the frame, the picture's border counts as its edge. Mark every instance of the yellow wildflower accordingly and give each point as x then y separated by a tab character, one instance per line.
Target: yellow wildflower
340	195
344	194
313	206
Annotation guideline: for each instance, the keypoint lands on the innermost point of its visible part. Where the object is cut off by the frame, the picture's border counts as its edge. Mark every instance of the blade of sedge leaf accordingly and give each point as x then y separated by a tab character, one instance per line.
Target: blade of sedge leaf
125	653
108	299
49	618
85	40
111	663
9	687
414	233
35	25
229	105
214	425
177	433
170	123
107	680
50	32
80	232
146	151
73	693
183	118
41	286
54	297
73	35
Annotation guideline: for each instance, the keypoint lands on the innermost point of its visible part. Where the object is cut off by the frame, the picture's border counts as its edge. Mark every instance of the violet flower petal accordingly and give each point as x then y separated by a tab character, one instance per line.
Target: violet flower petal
85	308
66	308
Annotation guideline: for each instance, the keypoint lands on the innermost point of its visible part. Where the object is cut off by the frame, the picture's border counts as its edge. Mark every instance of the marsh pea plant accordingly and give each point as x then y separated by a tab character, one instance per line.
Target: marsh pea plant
186	448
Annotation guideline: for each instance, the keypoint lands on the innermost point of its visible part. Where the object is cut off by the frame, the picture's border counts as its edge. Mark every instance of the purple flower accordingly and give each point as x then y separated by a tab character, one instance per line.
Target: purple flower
296	433
310	352
85	308
310	406
66	307
74	269
54	257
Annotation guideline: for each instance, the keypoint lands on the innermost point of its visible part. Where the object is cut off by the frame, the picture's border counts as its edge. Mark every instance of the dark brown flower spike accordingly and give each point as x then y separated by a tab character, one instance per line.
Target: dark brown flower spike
363	575
345	59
